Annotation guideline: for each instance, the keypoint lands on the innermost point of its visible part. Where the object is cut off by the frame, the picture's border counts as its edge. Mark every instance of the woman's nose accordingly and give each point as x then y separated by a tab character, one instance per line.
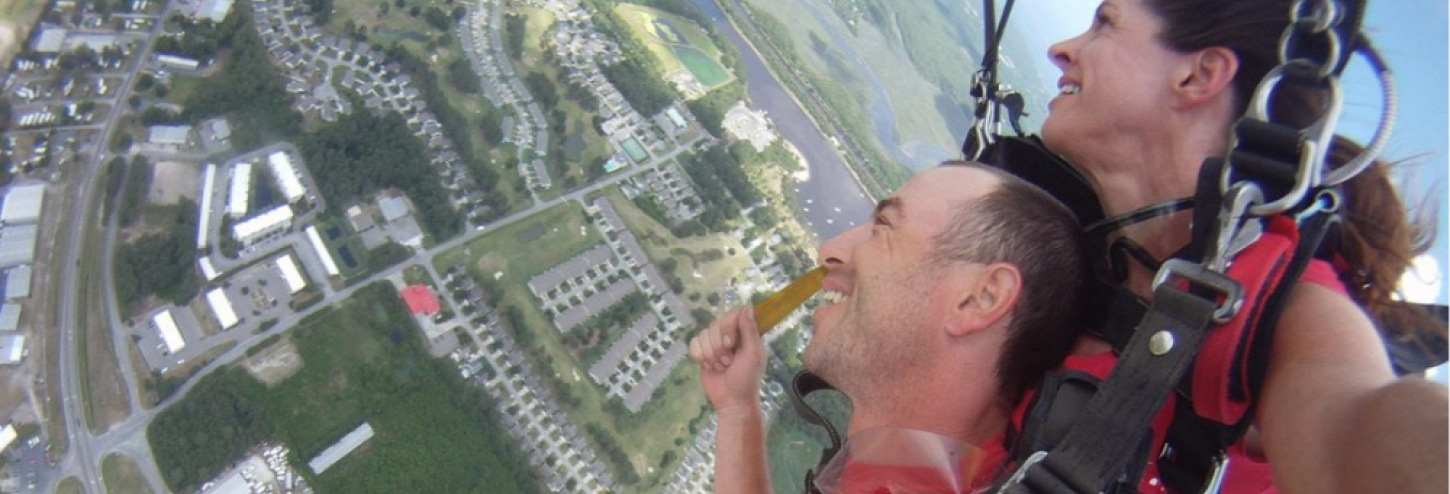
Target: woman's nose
1062	52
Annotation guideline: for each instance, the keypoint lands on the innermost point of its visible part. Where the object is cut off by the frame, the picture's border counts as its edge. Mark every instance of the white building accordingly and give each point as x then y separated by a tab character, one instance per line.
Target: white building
286	176
208	183
221	306
241	190
322	252
23	204
10	317
170	334
171	135
17	245
256	228
12	348
7	436
207	269
178	62
293	276
214	10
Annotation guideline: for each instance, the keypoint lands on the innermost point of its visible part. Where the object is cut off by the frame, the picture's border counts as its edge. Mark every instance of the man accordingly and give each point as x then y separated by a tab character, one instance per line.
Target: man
936	317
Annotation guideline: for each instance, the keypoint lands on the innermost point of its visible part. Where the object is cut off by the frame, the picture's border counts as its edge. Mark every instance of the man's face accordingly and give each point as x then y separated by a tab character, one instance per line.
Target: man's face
881	309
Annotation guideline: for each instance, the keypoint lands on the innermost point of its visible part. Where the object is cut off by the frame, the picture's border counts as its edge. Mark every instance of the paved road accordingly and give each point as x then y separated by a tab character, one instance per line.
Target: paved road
81	458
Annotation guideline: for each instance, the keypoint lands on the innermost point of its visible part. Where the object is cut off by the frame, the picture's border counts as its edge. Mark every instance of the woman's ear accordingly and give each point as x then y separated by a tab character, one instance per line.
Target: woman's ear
1210	75
988	299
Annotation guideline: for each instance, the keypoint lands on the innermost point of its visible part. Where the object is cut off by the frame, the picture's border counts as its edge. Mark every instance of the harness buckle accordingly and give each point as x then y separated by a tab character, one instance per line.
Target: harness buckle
1231	293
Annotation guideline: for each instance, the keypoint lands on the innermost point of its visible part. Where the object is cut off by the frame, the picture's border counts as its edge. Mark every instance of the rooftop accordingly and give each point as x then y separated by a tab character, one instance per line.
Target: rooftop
420	300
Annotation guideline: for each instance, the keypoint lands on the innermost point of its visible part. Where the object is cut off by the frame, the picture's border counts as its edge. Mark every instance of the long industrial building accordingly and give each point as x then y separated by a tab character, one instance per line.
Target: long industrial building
222	308
170	334
23	204
258	227
286	176
203	230
341	448
322	252
241	190
17	244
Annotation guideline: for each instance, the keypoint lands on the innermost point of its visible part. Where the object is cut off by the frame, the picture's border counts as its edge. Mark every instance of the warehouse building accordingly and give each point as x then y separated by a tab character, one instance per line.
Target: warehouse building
293	276
17	245
23	204
170	334
221	306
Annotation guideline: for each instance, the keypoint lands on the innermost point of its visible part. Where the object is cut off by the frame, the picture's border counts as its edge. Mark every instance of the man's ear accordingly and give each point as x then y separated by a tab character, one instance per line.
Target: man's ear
1208	75
988	299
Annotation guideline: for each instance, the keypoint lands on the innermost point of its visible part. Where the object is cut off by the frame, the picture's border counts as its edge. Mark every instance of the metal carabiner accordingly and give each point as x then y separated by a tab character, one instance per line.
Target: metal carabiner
1314	147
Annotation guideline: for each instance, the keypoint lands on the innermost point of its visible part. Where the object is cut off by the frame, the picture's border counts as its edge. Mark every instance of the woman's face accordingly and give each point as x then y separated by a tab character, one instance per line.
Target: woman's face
1117	78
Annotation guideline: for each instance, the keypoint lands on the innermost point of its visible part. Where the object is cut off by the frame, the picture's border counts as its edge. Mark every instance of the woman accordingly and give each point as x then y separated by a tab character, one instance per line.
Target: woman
1147	93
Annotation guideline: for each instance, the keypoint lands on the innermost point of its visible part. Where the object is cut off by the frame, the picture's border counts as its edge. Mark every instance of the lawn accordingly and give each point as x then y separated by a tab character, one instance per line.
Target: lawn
526	248
676	42
181	88
122	476
417	275
659	244
69	485
581	145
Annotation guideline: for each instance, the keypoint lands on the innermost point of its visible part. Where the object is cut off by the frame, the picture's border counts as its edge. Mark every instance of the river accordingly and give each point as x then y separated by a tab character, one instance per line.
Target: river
830	199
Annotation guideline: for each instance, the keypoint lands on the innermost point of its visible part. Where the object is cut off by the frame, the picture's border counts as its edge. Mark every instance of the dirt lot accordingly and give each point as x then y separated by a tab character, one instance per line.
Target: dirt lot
171	180
275	364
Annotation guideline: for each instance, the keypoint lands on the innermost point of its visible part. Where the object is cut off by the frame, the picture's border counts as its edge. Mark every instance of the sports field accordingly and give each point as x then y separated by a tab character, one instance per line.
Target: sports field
677	43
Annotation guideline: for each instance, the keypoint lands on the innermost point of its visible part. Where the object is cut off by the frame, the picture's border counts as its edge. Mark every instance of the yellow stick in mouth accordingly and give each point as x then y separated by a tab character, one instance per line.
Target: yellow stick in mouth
773	309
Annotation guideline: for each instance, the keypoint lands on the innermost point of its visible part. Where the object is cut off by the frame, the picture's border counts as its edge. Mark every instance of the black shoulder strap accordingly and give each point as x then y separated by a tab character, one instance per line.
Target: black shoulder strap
1099	446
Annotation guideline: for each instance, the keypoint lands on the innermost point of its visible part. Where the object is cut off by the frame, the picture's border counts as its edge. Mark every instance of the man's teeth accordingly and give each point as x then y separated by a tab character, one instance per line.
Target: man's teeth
832	297
1069	89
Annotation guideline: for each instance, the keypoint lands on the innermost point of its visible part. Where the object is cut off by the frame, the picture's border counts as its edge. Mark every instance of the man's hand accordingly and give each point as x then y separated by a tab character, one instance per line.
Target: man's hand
732	361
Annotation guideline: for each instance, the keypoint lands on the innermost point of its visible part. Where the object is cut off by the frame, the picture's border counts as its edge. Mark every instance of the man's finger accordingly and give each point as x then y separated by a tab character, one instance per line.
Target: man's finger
745	322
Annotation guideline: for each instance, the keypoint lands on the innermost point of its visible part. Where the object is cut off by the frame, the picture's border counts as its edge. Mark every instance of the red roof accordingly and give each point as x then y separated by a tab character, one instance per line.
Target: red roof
420	300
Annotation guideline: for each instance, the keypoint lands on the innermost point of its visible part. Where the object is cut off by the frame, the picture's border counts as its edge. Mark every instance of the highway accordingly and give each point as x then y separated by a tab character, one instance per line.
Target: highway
82	460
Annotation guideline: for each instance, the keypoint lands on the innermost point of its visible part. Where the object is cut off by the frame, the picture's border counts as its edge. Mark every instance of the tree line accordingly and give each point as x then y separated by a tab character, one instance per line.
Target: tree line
362	153
249	90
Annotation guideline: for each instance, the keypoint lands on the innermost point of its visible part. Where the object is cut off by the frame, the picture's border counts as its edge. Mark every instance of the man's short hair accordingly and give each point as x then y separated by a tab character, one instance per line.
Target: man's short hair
1022	225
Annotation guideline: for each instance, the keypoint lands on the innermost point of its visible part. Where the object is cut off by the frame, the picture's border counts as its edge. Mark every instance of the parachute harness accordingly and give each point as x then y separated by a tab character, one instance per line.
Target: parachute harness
1273	171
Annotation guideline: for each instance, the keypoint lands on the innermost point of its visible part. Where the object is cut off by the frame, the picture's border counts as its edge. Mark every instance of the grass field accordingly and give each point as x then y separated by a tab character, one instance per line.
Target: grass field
524	249
913	95
581	145
103	390
659	244
122	476
69	485
364	362
677	42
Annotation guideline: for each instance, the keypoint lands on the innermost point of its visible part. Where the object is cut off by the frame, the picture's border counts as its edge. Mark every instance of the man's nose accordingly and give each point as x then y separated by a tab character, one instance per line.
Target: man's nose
837	251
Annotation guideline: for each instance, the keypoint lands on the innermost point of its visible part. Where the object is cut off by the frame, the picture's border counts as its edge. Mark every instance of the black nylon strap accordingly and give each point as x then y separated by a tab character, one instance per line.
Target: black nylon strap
1098	446
801	386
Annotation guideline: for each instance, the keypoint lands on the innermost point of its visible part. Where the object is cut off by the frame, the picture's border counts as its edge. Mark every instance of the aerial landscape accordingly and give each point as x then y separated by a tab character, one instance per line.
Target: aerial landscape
443	246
